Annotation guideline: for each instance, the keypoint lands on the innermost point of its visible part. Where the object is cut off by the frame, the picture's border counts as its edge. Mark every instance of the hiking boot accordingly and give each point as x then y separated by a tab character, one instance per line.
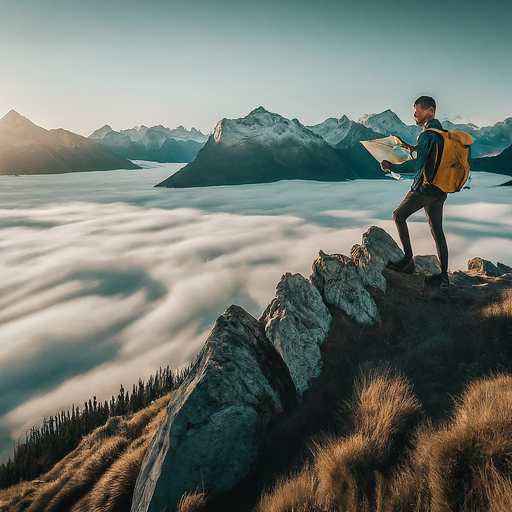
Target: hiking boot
439	280
405	265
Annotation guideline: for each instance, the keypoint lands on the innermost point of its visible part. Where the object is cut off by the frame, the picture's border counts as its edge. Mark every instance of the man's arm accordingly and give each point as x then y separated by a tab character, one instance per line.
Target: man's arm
426	142
388	166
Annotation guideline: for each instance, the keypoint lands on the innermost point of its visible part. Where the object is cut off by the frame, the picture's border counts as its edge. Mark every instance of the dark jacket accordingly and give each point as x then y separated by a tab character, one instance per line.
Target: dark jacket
429	151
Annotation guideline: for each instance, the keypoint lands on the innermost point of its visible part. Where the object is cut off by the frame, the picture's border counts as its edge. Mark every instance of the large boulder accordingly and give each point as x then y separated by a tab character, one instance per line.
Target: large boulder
297	322
428	264
376	252
215	421
337	278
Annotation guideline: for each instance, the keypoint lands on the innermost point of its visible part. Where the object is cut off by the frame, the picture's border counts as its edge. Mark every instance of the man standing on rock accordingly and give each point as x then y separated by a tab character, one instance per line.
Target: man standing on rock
423	193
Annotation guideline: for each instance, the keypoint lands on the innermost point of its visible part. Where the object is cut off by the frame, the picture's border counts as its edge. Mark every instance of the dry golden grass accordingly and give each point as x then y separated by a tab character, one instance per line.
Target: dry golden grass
383	409
346	474
464	465
469	461
193	502
294	494
501	308
99	476
114	490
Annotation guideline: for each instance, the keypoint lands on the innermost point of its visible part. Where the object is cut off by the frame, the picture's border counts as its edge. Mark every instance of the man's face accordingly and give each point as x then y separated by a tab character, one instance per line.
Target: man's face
423	115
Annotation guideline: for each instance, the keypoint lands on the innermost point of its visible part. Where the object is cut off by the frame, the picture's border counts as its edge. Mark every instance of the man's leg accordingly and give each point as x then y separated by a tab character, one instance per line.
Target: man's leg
412	202
434	212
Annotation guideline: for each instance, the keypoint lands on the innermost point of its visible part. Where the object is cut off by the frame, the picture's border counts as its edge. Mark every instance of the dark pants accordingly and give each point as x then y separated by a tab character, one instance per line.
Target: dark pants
432	200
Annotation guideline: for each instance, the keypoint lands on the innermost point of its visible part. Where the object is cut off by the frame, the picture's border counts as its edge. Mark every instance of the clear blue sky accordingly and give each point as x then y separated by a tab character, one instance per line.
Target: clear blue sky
81	64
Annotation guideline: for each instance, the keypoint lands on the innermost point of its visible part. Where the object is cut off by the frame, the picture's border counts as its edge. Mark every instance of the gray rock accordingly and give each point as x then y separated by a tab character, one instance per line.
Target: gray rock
210	437
297	322
376	252
336	277
483	267
428	264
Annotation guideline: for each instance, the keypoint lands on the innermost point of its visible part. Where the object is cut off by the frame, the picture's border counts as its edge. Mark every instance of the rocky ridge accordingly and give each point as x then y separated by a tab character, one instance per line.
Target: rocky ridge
251	371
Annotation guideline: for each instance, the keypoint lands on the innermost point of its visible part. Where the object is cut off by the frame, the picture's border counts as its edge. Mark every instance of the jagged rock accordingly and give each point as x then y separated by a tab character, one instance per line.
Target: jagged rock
503	269
336	277
297	322
215	421
483	267
377	250
428	264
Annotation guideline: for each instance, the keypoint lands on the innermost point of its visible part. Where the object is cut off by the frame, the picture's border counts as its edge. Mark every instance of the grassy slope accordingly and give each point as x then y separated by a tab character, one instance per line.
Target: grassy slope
99	476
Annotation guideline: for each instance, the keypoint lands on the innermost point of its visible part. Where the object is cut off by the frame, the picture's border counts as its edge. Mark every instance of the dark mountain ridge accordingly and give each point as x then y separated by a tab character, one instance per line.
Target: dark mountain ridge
264	147
26	148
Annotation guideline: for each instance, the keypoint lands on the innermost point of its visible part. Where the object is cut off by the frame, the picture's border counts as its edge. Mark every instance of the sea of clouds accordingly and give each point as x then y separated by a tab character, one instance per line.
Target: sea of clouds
105	278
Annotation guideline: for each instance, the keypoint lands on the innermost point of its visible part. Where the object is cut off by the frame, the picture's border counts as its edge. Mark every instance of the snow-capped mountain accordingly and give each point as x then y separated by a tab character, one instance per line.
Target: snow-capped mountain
264	127
158	143
343	133
388	123
260	148
26	148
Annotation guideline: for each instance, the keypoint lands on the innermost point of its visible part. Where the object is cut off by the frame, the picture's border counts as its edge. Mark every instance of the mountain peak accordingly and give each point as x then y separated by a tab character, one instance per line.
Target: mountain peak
14	120
261	125
16	130
259	110
101	132
388	123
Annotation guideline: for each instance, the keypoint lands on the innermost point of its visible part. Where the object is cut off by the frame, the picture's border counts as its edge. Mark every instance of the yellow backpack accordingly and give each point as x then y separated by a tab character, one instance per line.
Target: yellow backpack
453	170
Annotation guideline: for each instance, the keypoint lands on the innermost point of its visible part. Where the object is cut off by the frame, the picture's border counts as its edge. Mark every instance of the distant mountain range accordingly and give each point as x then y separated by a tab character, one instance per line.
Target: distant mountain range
343	133
26	148
487	141
261	147
157	143
265	147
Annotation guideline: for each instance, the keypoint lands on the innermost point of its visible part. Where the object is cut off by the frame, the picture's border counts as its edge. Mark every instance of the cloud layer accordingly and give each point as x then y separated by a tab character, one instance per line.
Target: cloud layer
106	278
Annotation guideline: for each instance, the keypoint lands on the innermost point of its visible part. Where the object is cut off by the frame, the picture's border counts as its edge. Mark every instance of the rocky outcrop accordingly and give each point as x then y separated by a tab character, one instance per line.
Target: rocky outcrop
484	267
338	280
210	436
297	322
376	252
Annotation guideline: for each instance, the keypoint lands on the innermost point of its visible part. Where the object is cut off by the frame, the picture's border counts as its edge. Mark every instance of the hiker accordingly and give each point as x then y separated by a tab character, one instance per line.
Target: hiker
423	193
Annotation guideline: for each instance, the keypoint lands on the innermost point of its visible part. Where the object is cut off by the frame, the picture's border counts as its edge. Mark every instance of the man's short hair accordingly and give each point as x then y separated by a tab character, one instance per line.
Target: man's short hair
426	102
